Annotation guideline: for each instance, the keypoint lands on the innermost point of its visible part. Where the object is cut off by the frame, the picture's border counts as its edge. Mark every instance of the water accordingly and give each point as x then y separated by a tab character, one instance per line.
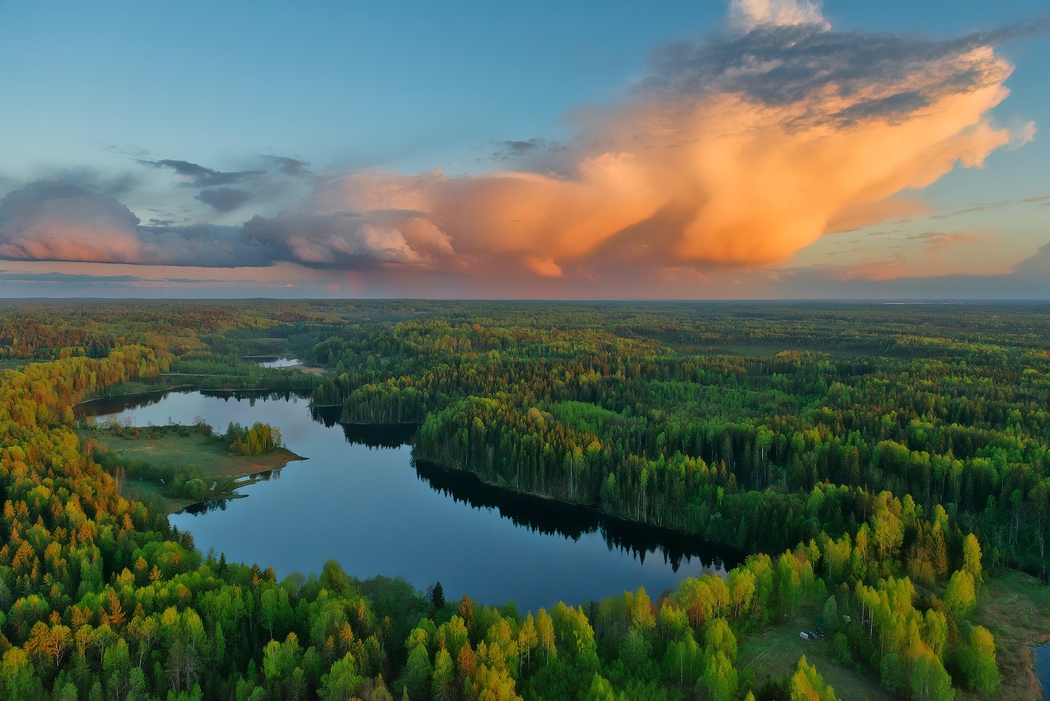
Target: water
1042	668
361	500
281	363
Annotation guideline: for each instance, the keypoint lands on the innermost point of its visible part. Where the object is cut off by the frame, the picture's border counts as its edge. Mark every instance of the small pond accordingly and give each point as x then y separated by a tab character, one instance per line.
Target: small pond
359	498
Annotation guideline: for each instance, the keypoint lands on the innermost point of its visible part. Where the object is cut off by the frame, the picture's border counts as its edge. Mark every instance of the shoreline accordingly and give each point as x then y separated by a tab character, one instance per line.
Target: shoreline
590	508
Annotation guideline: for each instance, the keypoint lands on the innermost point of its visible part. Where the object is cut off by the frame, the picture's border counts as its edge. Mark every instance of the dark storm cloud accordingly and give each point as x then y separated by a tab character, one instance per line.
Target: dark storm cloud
205	245
49	220
887	107
874	72
50	199
53	220
545	155
59	221
513	149
290	166
1038	266
223	199
199	176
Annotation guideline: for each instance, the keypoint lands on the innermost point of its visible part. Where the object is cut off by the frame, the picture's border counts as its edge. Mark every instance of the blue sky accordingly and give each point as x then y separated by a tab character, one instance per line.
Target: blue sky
91	93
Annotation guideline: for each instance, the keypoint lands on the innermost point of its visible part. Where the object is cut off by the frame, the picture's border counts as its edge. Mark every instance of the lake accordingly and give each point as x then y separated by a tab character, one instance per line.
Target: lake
1042	668
359	498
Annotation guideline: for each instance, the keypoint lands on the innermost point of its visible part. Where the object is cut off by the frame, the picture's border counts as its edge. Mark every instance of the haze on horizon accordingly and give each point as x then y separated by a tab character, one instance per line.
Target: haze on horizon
760	149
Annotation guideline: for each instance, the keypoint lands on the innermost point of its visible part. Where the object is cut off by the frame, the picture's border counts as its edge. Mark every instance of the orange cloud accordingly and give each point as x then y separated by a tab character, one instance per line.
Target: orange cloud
58	221
60	239
735	151
723	175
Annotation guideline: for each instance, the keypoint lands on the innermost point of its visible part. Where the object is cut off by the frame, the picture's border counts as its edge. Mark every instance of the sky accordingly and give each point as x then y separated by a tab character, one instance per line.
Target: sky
714	149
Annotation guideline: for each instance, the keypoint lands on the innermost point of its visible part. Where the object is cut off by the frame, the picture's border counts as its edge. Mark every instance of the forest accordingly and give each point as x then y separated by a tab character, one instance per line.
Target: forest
884	468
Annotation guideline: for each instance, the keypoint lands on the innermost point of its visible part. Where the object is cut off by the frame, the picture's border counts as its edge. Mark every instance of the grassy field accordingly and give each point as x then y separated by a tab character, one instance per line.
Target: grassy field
149	492
1016	608
169	446
775	650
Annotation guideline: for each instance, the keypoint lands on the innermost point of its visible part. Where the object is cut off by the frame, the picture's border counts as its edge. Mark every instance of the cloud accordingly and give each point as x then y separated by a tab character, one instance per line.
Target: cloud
734	151
1021	133
748	15
49	220
1038	266
341	239
199	176
970	210
840	76
223	199
58	221
204	245
521	148
290	166
531	149
937	241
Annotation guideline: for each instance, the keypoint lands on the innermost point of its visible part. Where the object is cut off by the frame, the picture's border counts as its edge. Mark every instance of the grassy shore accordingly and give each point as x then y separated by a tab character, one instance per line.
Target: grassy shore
175	447
131	389
1015	607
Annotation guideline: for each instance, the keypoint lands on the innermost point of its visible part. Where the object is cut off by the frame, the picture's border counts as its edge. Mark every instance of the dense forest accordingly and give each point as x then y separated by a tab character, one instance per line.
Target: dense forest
882	466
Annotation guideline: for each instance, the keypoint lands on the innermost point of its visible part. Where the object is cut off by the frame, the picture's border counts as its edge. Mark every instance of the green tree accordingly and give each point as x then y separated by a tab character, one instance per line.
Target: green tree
116	669
281	667
720	678
832	620
929	680
972	556
719	638
808	685
418	674
935	631
985	677
437	599
17	680
343	681
893	673
545	633
444	679
960	595
268	610
600	690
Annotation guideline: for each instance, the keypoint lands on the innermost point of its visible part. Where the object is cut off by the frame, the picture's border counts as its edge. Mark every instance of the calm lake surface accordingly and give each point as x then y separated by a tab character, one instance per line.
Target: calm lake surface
360	499
1042	668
